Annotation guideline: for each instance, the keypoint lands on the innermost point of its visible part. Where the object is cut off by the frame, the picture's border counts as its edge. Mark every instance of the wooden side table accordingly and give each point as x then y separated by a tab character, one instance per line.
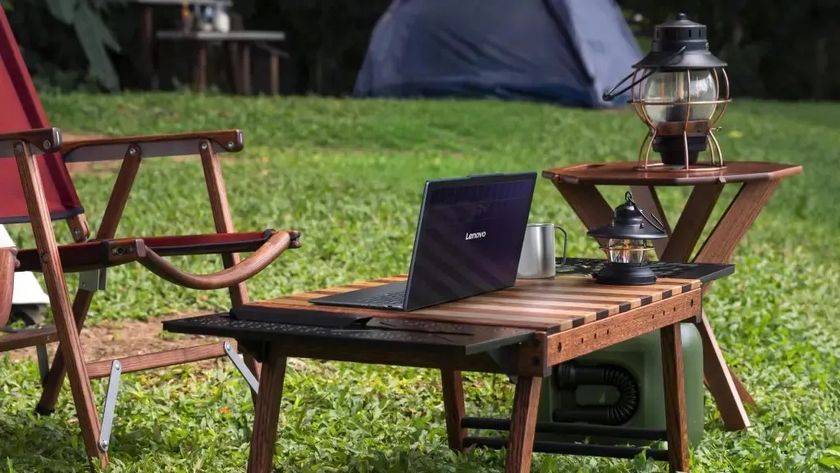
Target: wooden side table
757	181
239	55
523	331
147	31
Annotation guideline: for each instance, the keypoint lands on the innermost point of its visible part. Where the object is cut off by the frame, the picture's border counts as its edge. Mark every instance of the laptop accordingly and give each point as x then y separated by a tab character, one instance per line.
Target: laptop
468	241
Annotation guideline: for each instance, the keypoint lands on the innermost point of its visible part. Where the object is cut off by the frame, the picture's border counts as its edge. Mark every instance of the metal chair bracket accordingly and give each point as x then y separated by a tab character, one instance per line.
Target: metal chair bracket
110	405
237	361
93	280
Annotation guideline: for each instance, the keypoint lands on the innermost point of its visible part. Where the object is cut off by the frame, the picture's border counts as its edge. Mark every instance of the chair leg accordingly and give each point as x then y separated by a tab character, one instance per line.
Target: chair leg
56	286
526	400
267	412
453	407
675	417
223	221
55	376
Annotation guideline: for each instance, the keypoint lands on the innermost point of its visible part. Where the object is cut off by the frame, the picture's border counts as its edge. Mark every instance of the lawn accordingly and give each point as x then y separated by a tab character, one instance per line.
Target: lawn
349	174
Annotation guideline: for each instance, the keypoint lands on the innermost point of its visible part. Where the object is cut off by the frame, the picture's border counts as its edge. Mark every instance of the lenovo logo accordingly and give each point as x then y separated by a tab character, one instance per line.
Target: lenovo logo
473	236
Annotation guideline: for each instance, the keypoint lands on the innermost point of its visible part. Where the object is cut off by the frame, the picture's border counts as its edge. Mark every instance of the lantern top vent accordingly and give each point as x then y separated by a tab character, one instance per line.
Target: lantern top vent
680	44
630	222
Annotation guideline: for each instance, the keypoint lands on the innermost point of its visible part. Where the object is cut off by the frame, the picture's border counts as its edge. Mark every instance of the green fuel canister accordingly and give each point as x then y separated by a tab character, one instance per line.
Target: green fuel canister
622	386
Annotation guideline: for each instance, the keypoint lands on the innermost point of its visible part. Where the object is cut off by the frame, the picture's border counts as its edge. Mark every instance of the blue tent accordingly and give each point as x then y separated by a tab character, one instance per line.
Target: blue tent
563	51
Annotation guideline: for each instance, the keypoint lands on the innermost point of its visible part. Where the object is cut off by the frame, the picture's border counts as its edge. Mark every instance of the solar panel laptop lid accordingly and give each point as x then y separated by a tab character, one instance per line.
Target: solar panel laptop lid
468	241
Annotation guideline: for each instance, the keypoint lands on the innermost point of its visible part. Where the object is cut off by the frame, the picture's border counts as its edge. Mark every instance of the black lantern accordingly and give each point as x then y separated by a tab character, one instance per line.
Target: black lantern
628	238
680	90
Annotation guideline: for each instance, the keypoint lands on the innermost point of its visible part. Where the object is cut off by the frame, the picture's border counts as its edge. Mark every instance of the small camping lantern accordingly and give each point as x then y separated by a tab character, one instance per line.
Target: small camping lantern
680	90
628	244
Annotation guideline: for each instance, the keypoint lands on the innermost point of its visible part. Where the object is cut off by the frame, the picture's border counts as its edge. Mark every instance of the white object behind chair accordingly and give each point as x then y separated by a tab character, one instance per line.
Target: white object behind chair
27	288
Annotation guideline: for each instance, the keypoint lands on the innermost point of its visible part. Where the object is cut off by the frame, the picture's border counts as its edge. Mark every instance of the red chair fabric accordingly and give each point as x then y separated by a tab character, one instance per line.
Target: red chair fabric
22	110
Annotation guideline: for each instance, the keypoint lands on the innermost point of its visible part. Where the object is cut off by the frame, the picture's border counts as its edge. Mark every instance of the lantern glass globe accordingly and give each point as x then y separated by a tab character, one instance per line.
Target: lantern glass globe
625	250
675	88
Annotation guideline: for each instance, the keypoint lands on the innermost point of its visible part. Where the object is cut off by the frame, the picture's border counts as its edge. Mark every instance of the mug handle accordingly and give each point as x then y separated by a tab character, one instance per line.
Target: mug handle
565	242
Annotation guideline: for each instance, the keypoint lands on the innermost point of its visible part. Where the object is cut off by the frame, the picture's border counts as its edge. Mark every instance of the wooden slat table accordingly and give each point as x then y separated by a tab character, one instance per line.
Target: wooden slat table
757	180
521	331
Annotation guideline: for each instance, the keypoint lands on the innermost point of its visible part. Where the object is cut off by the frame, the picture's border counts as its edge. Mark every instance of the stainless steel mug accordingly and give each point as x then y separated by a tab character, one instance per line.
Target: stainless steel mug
538	251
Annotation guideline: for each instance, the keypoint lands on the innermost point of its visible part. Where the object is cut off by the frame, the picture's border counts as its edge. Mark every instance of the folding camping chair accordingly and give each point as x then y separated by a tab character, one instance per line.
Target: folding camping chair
36	188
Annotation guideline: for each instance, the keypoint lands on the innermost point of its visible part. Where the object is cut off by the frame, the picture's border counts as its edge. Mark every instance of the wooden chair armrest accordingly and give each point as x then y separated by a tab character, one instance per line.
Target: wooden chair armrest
7	282
97	254
268	252
174	144
44	139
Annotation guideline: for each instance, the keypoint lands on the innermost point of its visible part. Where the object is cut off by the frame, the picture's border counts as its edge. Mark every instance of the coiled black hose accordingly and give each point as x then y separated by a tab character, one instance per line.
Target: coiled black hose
571	375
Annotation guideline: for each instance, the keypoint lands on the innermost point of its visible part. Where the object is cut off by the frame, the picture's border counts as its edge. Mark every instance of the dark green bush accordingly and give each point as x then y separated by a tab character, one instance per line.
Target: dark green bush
66	43
781	50
786	51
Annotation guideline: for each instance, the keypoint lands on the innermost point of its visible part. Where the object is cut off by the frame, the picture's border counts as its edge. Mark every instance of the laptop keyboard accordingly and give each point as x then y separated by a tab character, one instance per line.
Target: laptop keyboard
388	299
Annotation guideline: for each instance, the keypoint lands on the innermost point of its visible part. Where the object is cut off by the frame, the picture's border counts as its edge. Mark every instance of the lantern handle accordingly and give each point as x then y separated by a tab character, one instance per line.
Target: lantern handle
611	94
657	224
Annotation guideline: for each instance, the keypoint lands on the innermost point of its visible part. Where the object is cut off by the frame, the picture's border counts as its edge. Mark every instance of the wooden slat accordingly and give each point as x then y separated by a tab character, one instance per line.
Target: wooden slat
560	303
585	339
178	356
27	338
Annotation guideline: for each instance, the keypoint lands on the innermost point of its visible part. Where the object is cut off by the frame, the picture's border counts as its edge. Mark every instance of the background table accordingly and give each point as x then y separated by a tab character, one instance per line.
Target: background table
522	331
757	181
239	55
147	30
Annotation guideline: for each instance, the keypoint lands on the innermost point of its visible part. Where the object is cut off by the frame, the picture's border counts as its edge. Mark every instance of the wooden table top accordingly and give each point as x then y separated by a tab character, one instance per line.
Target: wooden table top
625	173
550	305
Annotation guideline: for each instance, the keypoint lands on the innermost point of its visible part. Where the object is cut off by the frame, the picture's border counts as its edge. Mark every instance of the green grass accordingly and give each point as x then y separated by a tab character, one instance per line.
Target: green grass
349	174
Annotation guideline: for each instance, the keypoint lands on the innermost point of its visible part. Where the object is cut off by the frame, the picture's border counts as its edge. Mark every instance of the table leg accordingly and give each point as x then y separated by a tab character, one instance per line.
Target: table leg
246	69
453	407
691	223
200	72
274	65
648	199
738	218
267	412
719	247
589	205
147	32
675	418
234	72
526	400
720	381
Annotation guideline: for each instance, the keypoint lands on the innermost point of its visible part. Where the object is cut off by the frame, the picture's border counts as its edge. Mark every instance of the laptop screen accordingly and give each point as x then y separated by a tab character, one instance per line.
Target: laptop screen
469	237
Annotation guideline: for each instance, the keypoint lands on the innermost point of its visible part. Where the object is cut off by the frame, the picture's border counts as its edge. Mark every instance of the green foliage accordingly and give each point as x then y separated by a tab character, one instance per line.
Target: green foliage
349	174
784	51
327	42
43	28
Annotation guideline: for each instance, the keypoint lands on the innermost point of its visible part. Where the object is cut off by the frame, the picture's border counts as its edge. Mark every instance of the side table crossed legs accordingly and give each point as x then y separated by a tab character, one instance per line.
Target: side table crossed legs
593	210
